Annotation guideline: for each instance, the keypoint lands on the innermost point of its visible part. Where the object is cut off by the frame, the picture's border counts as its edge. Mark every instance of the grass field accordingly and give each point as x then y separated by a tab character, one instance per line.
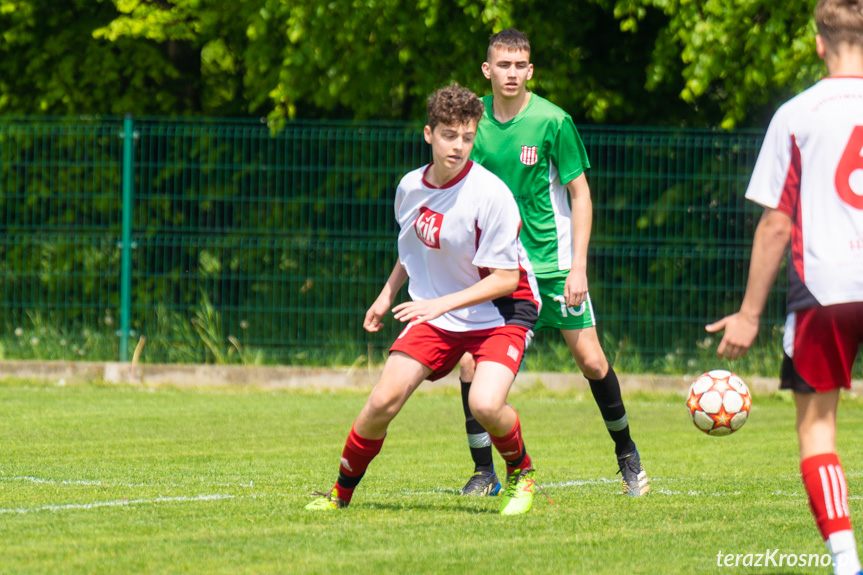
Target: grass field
101	479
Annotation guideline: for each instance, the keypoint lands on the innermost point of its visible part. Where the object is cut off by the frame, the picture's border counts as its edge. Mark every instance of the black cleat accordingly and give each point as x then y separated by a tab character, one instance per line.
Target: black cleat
482	483
635	482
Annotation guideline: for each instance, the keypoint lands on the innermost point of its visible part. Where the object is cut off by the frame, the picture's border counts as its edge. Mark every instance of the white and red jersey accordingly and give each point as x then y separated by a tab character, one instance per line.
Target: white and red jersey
811	168
449	238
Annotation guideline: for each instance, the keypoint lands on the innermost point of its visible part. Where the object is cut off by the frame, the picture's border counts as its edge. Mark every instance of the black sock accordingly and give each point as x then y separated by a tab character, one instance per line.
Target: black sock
606	392
477	436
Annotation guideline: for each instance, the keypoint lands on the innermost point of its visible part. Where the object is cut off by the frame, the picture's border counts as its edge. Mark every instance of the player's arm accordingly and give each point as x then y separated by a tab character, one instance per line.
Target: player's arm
496	284
386	298
575	289
768	248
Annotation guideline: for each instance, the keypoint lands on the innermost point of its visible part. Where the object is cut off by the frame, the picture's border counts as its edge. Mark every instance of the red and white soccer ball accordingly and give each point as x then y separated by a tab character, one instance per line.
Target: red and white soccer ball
719	402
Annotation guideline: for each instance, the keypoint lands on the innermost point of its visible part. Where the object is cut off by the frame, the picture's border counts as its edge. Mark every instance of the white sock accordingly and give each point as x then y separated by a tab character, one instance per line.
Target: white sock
843	548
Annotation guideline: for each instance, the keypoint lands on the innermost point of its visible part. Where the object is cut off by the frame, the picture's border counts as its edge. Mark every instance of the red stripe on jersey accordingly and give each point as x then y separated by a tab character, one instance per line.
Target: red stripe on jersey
483	272
458	177
789	204
523	290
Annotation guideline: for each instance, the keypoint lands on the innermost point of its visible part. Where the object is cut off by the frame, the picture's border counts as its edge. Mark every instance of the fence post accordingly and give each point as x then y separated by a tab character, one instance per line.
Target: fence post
126	238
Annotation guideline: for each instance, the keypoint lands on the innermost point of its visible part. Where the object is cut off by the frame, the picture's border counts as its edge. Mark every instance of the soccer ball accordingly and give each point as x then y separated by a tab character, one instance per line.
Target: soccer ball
719	402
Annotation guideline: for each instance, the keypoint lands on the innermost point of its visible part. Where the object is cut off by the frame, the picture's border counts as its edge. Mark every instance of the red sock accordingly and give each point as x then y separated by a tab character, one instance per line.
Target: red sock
511	448
356	456
828	493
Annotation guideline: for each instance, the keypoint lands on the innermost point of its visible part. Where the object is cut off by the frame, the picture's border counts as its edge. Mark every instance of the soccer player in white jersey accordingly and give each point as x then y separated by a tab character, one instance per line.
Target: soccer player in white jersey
534	147
809	178
472	290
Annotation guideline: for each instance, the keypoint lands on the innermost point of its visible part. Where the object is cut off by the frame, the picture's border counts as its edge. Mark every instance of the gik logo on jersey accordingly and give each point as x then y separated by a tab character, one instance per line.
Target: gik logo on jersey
428	226
529	155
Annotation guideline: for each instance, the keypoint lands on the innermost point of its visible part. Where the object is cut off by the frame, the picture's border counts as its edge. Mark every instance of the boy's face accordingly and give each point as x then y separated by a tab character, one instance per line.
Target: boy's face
508	71
451	144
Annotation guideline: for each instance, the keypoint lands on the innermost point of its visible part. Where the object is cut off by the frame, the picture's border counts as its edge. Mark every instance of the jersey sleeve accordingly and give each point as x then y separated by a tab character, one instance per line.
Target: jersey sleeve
397	204
568	152
776	176
498	225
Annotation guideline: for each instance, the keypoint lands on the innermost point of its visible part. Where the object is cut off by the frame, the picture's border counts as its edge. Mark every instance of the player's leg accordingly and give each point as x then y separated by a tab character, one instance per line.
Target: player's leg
605	387
484	480
578	326
401	375
824	477
588	354
498	358
488	404
820	346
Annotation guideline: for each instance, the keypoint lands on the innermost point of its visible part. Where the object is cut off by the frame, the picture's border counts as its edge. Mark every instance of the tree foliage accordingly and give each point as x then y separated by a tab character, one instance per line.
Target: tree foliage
50	63
677	62
742	55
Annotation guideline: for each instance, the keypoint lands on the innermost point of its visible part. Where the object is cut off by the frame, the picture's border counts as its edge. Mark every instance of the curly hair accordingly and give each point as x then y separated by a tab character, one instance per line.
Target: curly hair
453	106
840	21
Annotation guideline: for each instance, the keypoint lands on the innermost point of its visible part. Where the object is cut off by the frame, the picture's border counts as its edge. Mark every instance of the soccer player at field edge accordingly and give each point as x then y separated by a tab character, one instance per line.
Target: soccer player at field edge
807	177
534	147
472	290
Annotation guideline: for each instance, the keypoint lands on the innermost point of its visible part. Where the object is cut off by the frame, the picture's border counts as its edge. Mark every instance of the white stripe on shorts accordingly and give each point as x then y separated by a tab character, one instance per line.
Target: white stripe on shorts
788	336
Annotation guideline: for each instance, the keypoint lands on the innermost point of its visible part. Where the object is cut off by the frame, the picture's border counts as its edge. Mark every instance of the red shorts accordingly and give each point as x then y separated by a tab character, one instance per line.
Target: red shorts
821	344
440	350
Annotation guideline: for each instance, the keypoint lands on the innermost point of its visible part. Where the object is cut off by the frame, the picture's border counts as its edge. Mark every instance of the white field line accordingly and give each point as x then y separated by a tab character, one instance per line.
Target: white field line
734	493
579	482
107	483
654	489
690	492
117	503
75	482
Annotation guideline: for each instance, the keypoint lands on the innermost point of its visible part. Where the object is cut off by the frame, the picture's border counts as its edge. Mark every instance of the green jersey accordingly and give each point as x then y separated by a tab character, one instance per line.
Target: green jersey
536	154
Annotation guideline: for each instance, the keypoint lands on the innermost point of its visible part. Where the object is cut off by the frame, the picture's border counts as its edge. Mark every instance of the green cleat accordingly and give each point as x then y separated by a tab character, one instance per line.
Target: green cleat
518	494
326	501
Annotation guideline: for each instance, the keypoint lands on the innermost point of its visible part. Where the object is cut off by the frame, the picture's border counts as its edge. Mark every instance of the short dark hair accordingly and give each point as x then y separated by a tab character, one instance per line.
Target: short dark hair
509	39
454	106
840	21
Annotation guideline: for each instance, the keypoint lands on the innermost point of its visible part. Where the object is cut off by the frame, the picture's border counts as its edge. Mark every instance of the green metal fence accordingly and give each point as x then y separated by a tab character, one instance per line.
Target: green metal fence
234	242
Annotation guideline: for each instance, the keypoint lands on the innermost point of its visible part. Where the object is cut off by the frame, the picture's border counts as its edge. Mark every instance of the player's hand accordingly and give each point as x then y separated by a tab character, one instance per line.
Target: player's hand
740	333
375	314
418	312
575	288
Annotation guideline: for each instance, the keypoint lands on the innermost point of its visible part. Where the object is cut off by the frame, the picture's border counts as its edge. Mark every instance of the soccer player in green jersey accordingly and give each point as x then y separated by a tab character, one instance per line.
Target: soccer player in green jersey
534	147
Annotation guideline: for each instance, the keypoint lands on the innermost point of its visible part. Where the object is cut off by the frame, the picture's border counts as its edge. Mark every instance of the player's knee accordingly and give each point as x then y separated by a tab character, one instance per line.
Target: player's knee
380	409
594	367
485	411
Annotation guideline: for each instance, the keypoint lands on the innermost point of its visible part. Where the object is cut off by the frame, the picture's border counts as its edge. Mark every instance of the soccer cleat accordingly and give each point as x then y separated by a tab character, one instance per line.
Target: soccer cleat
326	501
635	482
482	483
518	494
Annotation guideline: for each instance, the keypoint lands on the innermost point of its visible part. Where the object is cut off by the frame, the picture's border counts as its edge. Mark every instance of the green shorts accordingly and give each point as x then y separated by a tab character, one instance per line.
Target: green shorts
555	314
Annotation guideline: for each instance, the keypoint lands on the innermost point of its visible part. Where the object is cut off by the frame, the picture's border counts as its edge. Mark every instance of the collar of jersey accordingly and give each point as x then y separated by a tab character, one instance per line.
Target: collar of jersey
458	177
519	116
